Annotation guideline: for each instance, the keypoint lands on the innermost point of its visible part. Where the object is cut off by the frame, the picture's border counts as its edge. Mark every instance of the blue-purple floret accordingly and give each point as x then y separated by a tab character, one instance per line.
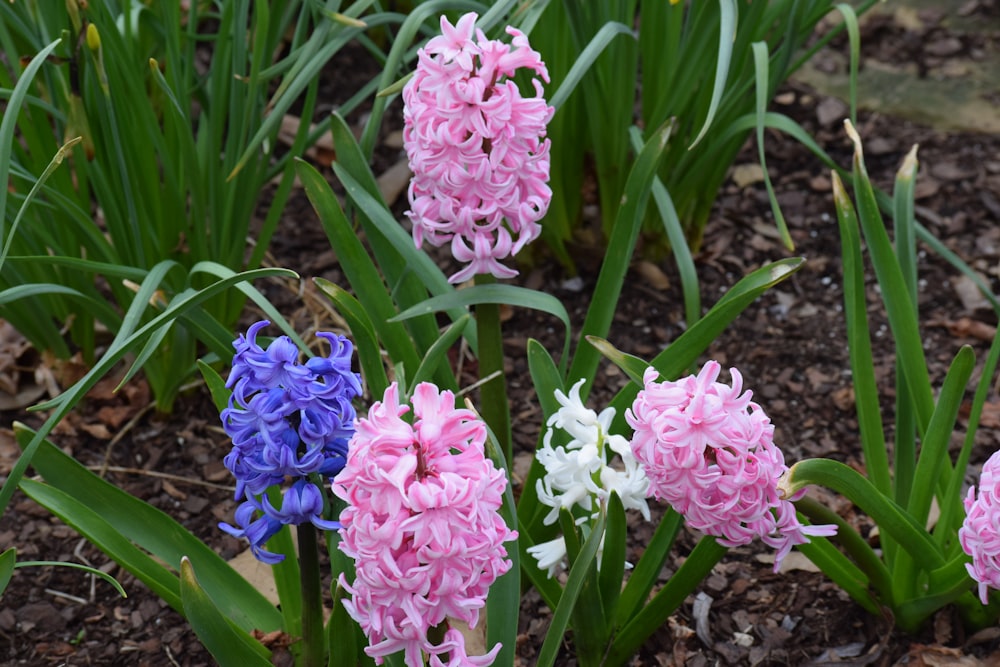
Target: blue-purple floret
288	421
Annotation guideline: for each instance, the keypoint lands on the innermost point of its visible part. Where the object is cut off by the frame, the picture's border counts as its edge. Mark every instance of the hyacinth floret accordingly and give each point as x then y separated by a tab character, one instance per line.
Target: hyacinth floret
476	147
709	452
422	525
980	532
579	473
289	421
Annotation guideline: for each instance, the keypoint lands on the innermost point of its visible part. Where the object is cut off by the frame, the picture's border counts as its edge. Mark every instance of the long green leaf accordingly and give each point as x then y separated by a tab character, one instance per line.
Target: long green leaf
438	352
647	570
75	566
761	74
727	34
678	242
899	307
98	531
363	334
612	571
57	160
7	560
890	517
8	123
579	574
933	460
151	529
493	294
653	615
359	268
604	301
859	343
229	646
583	62
65	402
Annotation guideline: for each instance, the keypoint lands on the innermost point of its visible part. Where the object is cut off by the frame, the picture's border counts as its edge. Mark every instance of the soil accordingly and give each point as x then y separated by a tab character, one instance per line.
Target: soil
789	346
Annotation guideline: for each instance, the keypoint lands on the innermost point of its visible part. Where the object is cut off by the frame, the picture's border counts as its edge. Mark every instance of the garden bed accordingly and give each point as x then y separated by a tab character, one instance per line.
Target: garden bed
789	345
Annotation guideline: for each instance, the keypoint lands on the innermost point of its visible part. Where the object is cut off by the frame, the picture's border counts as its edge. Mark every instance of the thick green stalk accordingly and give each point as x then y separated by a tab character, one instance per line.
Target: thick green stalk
313	649
493	392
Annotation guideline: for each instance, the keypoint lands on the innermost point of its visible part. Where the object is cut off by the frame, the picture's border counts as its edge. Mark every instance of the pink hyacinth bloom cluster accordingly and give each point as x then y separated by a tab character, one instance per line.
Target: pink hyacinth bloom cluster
421	524
980	532
477	148
709	452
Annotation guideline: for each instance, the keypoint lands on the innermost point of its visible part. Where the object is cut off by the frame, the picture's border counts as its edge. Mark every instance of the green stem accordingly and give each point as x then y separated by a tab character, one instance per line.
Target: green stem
313	649
493	393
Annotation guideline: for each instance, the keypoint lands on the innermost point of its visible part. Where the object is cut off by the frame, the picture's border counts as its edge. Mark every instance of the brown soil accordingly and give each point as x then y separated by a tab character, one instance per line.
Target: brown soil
789	346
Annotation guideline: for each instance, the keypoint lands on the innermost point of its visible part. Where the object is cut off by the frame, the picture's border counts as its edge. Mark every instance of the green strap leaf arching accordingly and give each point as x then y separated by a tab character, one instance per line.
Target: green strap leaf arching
229	646
890	517
727	33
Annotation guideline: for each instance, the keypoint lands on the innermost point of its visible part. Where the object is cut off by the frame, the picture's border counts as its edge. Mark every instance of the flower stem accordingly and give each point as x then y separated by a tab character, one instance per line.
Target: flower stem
313	650
493	393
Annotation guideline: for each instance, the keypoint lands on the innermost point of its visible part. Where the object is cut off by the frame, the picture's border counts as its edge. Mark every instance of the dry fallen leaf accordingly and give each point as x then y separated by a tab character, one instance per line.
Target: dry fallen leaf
937	656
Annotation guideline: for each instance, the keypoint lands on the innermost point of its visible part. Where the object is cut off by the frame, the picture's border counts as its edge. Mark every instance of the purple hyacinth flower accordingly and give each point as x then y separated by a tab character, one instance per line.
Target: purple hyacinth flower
289	422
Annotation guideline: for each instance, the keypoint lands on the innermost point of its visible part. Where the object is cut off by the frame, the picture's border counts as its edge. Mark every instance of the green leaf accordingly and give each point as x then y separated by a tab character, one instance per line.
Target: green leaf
8	124
216	386
89	523
228	645
621	245
358	267
848	577
53	164
859	343
76	566
504	599
761	75
647	571
890	517
934	460
612	571
633	366
363	333
855	576
7	560
727	34
122	343
899	308
678	241
85	497
585	60
438	352
493	294
654	614
580	572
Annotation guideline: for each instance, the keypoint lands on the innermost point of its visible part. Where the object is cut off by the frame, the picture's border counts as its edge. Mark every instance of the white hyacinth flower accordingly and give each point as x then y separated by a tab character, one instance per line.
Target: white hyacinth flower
550	555
579	472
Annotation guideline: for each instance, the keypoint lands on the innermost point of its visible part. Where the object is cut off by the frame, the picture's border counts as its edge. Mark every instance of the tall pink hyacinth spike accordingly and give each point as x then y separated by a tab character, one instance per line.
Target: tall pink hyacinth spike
422	525
476	147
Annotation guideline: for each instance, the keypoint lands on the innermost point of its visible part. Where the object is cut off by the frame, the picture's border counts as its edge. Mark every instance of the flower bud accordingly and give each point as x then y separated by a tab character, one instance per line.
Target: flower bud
93	38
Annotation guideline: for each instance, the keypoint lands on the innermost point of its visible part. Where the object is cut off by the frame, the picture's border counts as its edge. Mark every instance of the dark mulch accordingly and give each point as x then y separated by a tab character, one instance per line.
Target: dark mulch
789	345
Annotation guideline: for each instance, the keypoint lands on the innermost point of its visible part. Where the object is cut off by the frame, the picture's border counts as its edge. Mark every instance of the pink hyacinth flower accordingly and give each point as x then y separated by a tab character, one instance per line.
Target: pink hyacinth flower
421	524
709	452
979	534
476	147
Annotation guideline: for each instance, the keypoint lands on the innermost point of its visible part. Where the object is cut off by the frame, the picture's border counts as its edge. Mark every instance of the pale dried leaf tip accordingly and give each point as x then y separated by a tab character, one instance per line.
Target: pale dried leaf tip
854	136
908	169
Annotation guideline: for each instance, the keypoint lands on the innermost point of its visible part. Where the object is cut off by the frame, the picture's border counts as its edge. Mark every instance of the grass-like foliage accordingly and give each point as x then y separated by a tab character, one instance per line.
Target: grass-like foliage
653	60
140	143
922	565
